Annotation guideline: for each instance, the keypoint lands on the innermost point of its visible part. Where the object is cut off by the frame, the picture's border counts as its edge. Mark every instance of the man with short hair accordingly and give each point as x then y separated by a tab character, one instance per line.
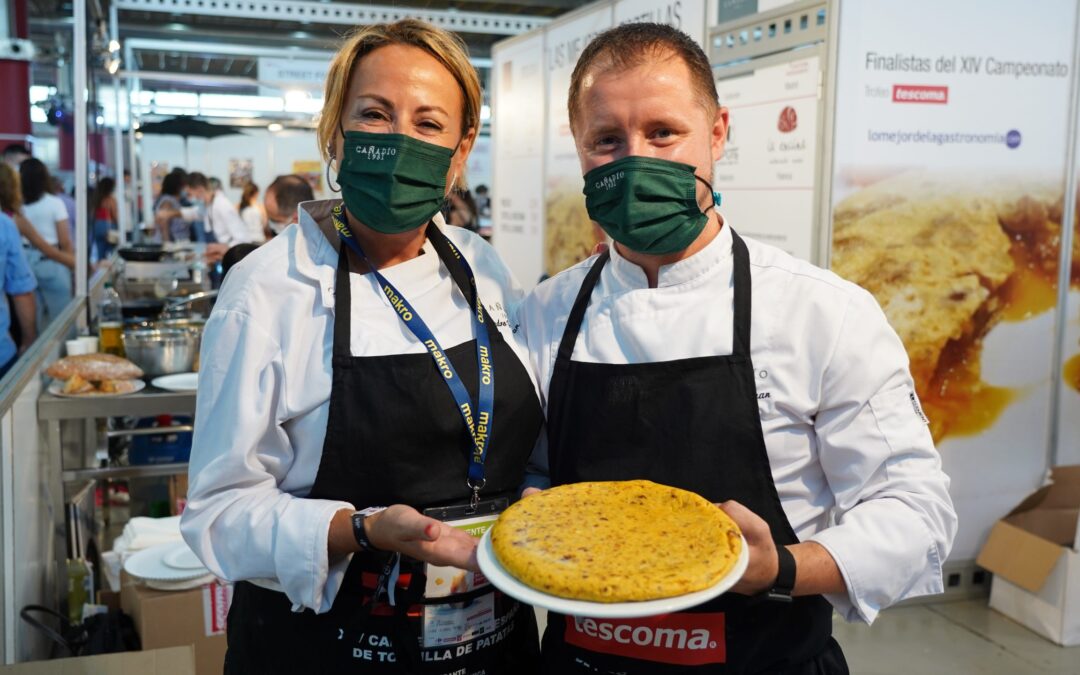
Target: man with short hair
796	412
282	199
15	154
222	216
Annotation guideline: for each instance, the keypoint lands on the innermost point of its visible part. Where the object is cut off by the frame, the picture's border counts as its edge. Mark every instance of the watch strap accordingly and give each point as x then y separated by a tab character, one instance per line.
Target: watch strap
785	576
358	518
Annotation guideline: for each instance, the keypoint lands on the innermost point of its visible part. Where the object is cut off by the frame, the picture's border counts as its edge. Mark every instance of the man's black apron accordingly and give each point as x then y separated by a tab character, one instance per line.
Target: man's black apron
394	436
694	424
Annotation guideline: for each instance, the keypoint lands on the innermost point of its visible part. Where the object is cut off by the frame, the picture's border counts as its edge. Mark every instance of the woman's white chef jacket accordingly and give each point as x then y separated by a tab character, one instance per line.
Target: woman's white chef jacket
264	395
851	454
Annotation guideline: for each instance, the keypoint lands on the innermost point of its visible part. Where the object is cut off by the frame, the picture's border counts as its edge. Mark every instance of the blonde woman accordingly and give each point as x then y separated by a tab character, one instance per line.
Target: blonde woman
366	359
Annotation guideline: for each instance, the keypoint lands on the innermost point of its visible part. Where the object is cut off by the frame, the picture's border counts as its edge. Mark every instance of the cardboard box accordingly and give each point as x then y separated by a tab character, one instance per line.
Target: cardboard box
171	661
172	618
1034	553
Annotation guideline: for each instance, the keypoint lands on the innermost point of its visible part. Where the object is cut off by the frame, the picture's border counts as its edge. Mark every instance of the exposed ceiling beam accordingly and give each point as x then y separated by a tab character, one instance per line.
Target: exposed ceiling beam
225	49
340	14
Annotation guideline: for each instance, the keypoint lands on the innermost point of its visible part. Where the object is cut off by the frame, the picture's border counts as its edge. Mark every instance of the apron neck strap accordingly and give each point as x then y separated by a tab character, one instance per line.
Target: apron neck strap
577	314
342	306
741	280
445	250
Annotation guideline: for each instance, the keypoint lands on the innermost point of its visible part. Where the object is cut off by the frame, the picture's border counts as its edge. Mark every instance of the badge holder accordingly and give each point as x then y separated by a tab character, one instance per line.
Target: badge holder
447	624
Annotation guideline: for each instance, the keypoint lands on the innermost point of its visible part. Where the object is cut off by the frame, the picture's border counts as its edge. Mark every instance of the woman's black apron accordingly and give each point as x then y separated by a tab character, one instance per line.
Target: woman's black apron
394	436
694	424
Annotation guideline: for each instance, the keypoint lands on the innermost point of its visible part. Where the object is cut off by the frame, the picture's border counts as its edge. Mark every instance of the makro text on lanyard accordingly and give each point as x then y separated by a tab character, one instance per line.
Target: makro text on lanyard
480	428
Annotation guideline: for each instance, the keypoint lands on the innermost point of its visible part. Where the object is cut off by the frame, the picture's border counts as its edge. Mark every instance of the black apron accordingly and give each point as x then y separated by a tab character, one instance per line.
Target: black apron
694	424
394	436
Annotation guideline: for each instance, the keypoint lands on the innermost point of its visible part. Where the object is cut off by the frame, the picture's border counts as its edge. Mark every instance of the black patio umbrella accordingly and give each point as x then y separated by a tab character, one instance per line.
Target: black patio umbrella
186	127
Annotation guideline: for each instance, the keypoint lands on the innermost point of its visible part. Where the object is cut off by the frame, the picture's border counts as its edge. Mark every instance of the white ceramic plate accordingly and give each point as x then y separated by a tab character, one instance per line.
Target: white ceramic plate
57	389
505	582
151	563
177	382
183	558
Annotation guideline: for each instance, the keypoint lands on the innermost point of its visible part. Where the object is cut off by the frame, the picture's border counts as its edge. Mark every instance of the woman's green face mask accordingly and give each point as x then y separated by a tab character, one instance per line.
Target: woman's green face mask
648	205
392	183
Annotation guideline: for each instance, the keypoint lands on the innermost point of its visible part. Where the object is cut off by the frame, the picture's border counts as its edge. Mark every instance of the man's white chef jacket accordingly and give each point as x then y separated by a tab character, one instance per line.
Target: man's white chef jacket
850	450
223	219
264	395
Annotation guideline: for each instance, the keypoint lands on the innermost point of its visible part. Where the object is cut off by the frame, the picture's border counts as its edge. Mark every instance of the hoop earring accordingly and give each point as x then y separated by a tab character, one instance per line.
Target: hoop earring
329	184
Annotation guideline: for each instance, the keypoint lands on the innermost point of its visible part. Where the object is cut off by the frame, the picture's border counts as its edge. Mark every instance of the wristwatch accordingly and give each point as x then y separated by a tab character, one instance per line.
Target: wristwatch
359	532
785	577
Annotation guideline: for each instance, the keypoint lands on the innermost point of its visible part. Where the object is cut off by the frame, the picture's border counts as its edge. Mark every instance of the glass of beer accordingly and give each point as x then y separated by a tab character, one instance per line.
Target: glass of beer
111	337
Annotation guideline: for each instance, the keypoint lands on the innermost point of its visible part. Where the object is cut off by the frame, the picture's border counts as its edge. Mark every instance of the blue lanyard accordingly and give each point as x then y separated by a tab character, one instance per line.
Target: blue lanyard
480	428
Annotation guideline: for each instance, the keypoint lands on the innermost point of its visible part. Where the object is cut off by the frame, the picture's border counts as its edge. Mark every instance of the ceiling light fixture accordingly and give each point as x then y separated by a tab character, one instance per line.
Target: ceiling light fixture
274	127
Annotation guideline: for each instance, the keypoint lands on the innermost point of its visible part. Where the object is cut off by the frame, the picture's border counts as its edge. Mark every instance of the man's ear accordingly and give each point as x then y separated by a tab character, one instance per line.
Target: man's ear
719	133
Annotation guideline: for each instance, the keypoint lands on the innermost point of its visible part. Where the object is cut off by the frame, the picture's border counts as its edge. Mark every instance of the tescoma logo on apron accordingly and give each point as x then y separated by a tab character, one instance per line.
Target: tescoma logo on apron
691	639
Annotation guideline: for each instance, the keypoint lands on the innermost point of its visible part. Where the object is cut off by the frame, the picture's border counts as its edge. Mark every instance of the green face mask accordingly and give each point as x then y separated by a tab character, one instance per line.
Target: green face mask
392	183
648	205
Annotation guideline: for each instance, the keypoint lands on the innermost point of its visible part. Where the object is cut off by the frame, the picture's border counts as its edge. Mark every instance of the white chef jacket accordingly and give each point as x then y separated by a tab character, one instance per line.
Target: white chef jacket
223	219
264	395
850	451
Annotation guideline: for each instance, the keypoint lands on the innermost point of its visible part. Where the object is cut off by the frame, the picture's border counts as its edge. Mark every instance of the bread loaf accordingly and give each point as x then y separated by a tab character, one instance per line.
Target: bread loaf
94	367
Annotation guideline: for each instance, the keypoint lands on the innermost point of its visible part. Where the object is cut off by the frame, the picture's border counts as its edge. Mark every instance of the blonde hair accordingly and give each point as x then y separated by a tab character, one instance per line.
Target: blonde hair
10	190
447	48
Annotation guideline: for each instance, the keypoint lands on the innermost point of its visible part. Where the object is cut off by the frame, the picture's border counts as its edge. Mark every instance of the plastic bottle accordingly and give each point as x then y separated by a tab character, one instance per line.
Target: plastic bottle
80	589
111	322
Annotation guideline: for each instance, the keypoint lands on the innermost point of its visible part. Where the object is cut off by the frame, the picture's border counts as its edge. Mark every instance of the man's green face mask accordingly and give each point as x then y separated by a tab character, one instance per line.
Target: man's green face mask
648	205
392	183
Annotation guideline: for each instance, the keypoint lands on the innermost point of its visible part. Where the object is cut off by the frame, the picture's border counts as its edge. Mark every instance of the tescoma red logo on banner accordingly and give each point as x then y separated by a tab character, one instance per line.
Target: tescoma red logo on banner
919	93
680	639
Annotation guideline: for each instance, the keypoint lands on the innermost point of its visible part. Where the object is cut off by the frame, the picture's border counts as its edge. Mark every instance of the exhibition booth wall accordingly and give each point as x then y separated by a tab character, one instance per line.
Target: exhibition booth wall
932	162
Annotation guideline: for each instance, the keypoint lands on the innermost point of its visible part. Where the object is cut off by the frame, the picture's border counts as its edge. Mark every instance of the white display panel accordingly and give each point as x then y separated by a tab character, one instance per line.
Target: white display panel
963	116
766	176
568	235
517	128
686	15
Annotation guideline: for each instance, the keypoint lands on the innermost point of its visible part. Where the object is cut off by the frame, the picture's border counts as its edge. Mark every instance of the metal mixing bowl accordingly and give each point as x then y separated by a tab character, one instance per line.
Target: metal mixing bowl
162	351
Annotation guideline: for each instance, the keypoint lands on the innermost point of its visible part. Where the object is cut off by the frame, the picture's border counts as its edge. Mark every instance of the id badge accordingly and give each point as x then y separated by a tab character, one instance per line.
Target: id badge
453	623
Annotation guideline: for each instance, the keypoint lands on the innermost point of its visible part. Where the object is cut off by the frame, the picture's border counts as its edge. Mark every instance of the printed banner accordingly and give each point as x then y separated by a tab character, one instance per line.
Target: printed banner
569	235
310	170
766	176
686	15
517	129
947	206
239	172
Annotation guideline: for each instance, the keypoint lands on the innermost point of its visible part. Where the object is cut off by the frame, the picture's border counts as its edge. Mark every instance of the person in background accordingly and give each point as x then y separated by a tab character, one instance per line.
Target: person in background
462	210
56	187
168	212
103	205
283	199
49	217
11	204
19	285
15	154
214	184
222	218
235	255
252	213
483	202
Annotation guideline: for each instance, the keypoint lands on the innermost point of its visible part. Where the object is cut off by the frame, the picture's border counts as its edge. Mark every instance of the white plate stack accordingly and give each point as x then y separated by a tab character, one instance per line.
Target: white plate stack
168	567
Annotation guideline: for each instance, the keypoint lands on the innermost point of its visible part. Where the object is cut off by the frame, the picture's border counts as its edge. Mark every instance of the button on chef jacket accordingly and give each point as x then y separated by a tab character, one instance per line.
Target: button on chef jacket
264	395
850	450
